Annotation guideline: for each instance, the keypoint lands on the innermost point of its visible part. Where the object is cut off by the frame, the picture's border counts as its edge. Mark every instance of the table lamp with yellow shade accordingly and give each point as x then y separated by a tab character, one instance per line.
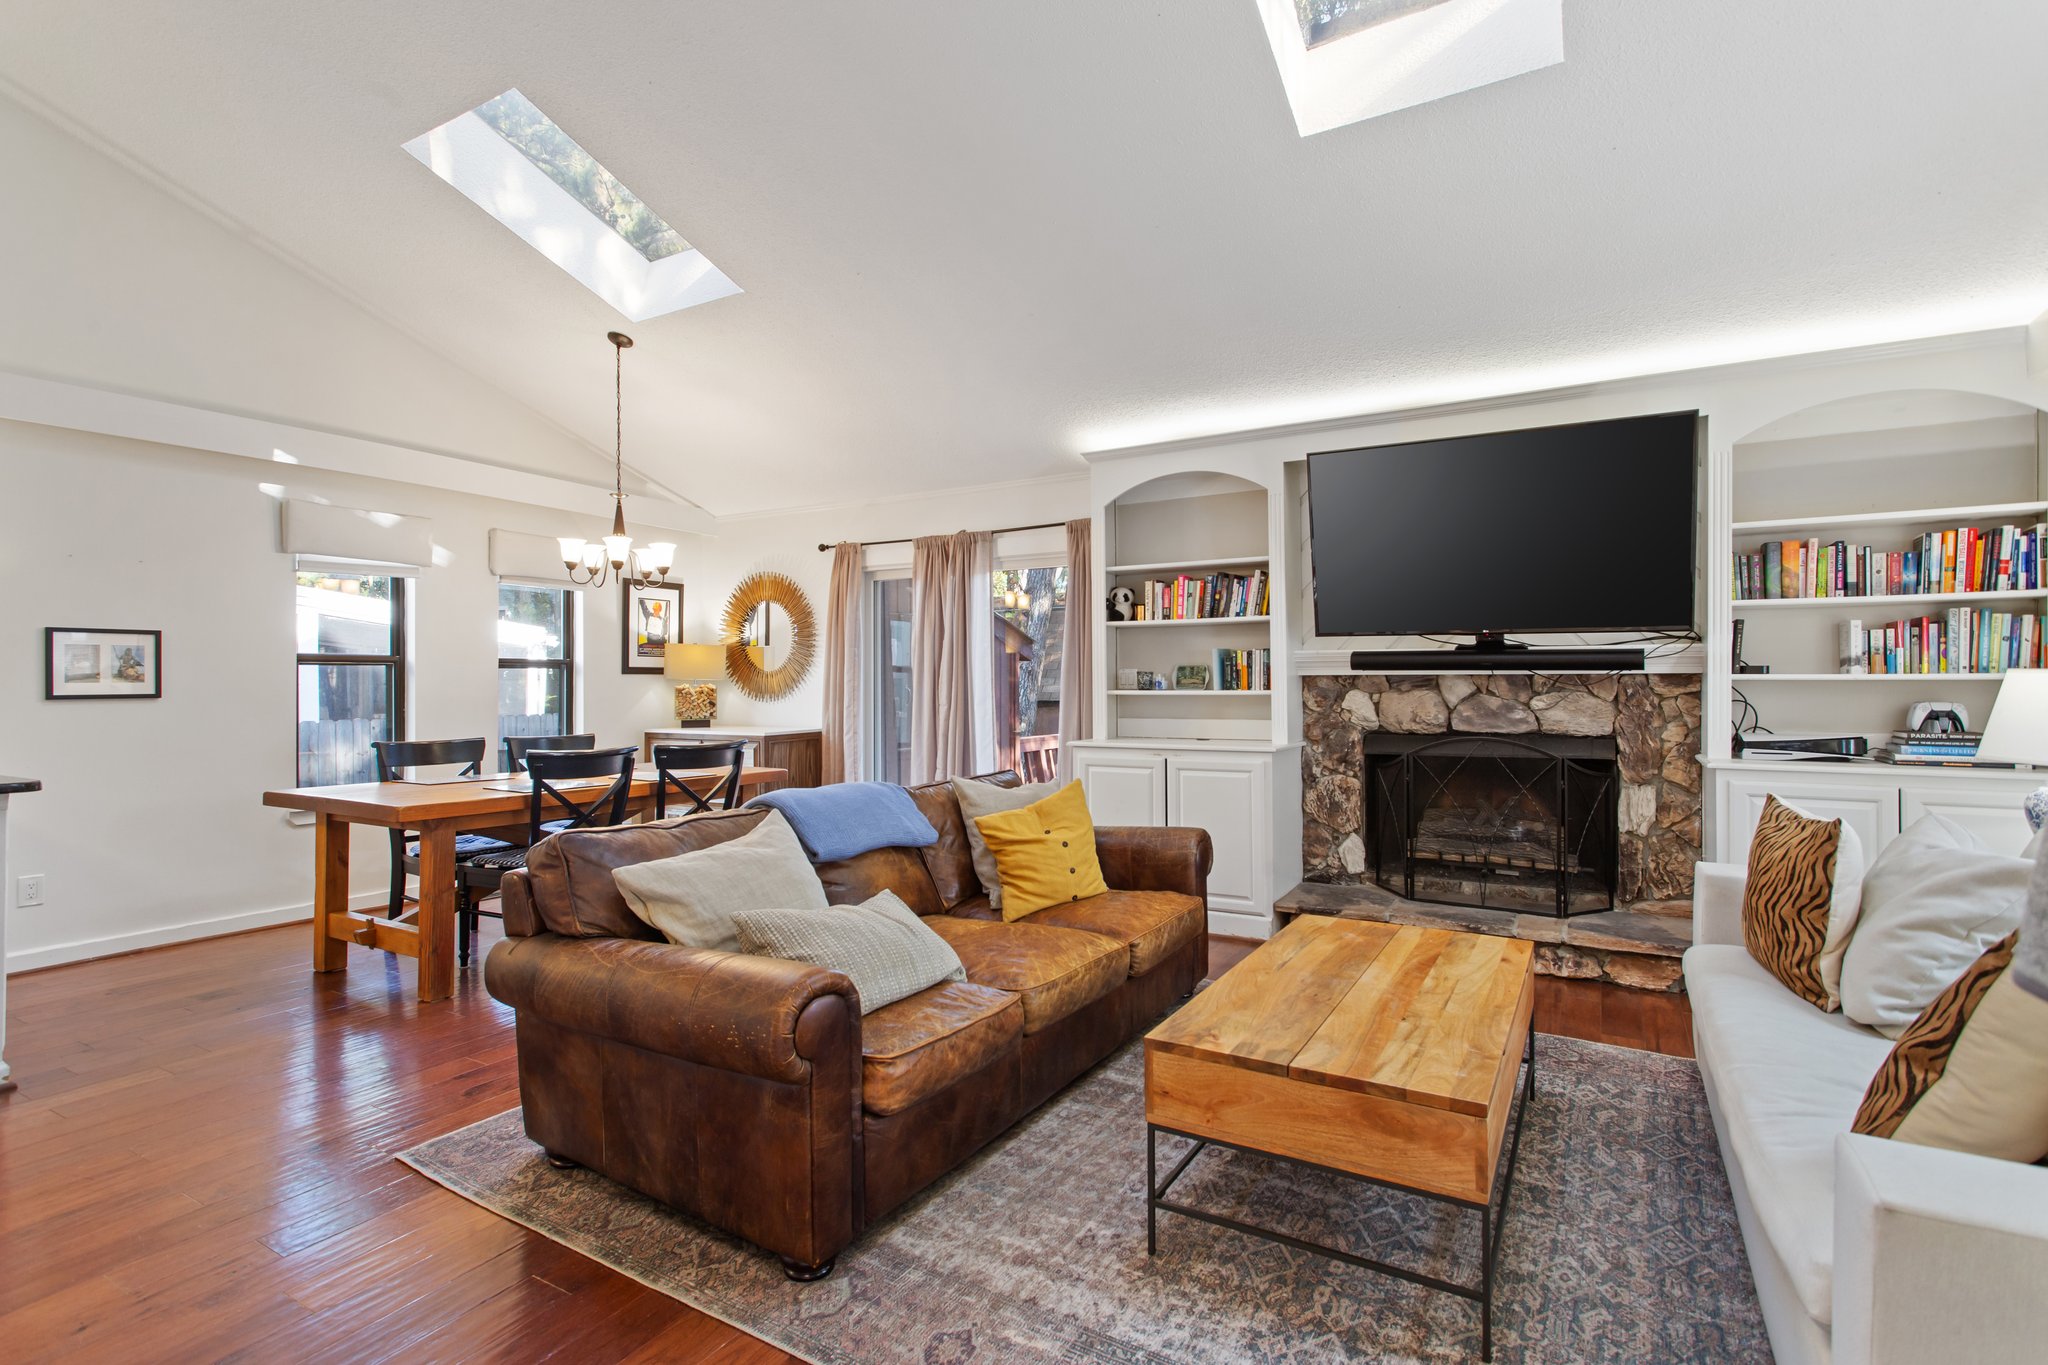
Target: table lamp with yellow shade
697	669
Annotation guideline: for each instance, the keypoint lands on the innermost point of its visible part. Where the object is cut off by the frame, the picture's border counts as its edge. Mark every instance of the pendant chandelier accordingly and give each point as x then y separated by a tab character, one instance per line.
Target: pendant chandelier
595	564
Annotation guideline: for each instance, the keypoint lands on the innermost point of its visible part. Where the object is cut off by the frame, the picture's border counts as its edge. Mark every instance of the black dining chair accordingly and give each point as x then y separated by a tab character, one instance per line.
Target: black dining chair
669	759
517	747
549	810
394	756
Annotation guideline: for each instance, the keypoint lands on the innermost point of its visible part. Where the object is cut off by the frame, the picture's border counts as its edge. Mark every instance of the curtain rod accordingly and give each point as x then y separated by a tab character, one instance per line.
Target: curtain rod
999	531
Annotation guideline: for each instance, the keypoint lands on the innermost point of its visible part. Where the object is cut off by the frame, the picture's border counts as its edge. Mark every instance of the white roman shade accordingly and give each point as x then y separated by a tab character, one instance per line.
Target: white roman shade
351	539
527	558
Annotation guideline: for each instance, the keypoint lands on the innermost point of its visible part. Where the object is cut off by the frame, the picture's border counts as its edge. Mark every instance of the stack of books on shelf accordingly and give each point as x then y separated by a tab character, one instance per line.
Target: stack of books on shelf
1927	749
1960	640
1243	670
1968	559
1192	598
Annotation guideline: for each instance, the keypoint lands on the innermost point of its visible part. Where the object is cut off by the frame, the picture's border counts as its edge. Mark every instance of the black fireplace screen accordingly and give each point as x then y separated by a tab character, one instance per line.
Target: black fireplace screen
1494	822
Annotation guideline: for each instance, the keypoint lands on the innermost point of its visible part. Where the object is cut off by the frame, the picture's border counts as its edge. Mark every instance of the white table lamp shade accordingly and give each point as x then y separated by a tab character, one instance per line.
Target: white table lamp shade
2018	729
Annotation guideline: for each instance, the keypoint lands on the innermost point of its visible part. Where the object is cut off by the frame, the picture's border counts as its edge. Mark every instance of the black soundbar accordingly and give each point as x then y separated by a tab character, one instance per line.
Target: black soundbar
1465	659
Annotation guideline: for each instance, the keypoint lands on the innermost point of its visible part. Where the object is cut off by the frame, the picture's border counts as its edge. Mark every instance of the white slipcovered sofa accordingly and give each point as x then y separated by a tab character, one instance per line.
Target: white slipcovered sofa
1864	1249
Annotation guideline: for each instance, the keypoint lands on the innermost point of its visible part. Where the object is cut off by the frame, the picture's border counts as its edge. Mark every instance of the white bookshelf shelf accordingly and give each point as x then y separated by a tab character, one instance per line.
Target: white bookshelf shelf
1743	604
1747	679
1990	511
1191	692
1194	621
1180	566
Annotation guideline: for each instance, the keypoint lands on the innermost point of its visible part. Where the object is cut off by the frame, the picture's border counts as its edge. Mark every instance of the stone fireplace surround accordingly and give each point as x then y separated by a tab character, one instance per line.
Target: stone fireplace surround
1655	721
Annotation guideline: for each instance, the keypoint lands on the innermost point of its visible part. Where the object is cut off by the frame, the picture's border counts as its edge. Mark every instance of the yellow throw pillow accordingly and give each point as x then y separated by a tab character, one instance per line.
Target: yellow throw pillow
1045	852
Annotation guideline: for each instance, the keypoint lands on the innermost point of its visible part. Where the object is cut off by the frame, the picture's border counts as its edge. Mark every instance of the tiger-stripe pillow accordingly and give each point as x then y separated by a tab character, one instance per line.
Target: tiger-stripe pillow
1969	1074
1800	901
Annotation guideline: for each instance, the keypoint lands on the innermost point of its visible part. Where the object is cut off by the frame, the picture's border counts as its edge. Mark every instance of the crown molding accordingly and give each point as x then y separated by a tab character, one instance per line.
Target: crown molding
1734	369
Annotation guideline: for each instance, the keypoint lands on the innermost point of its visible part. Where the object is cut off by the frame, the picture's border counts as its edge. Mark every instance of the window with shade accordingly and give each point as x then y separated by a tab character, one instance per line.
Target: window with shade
536	661
351	630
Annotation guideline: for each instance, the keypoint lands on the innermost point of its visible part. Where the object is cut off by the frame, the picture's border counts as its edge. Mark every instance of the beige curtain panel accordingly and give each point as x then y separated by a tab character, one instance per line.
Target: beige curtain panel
942	628
1077	639
845	743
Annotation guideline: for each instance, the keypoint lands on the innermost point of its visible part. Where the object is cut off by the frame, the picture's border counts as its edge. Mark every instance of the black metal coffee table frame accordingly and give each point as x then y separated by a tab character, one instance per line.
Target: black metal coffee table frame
1492	1213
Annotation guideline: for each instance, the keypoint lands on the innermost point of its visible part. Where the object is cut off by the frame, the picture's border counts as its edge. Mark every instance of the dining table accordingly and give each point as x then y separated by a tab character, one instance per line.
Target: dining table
437	809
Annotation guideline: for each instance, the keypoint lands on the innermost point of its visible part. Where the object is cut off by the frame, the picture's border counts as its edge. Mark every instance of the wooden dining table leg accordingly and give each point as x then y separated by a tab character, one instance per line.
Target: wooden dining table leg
437	910
330	892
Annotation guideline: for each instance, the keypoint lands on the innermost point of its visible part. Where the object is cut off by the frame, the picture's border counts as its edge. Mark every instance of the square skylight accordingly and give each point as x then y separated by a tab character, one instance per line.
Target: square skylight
519	166
1342	61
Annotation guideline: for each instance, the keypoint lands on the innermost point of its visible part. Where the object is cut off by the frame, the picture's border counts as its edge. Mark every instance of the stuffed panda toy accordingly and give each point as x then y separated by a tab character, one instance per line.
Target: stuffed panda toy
1122	604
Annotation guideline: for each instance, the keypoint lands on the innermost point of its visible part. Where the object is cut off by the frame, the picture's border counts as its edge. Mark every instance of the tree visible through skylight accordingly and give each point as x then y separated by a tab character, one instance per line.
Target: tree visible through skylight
1324	20
561	159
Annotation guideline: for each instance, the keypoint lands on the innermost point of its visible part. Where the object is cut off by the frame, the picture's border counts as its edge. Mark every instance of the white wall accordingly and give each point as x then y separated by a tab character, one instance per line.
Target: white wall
114	282
150	826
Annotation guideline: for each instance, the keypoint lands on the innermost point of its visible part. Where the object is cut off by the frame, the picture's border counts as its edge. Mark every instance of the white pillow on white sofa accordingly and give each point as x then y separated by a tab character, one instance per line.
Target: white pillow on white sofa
1933	901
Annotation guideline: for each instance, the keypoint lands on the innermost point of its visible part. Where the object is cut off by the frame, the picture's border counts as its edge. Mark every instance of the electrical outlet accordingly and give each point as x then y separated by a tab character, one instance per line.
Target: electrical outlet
28	890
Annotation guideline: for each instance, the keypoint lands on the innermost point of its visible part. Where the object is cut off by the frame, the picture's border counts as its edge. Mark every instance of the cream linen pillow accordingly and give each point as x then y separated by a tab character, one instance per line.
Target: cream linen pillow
881	945
1933	901
692	897
986	798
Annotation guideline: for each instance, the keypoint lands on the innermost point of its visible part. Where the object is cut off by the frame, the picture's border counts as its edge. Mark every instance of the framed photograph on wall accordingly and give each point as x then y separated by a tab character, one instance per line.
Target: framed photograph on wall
80	662
650	620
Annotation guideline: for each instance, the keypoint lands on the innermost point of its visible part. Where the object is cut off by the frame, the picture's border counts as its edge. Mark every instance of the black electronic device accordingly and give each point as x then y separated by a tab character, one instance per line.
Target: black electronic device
1831	746
1581	528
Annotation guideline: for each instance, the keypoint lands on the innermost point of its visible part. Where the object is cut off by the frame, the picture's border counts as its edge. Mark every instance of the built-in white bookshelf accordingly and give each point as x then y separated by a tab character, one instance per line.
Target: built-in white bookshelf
1197	525
1879	471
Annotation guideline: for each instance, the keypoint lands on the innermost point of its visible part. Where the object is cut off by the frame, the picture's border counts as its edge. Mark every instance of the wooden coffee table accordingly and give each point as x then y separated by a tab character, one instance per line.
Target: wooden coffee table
1385	1052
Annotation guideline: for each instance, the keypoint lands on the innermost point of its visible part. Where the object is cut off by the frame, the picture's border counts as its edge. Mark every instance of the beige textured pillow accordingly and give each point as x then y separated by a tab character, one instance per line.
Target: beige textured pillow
692	897
881	945
986	798
1970	1073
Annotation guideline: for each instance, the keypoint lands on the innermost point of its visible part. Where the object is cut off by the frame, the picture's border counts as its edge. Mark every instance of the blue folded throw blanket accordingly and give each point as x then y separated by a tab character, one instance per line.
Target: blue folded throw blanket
851	818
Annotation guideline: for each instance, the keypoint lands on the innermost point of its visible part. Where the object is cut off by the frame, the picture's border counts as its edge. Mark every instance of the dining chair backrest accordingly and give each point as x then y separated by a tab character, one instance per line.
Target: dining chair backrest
517	747
396	755
603	806
669	759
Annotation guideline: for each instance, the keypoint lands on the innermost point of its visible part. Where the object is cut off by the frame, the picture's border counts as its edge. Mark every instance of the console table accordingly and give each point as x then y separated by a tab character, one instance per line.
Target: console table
8	787
799	750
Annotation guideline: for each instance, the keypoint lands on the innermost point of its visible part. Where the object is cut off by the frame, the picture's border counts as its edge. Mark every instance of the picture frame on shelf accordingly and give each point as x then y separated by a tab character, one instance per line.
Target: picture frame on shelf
650	619
1191	678
86	662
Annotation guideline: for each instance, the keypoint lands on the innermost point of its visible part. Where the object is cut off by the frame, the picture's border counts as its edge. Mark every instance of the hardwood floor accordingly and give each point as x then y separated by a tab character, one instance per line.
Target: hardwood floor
197	1166
1653	1021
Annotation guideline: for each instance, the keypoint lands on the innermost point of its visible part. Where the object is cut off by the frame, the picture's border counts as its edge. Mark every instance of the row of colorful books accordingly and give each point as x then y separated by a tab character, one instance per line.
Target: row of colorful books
1967	559
1961	640
1243	670
1217	595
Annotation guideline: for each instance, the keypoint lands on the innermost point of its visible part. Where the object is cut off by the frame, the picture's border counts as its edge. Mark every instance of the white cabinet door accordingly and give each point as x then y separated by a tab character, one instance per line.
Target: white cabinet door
1992	813
1124	787
1869	808
1225	794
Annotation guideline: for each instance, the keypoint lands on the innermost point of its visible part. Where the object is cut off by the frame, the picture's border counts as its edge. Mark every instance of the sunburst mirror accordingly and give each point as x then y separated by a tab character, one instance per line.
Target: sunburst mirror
769	636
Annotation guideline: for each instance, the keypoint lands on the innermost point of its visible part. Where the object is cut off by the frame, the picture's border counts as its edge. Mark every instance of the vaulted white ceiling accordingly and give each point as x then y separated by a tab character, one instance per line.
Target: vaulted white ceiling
977	240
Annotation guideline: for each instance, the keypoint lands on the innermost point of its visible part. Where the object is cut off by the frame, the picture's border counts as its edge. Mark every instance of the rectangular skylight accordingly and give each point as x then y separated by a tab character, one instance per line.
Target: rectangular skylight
519	166
1342	61
1325	21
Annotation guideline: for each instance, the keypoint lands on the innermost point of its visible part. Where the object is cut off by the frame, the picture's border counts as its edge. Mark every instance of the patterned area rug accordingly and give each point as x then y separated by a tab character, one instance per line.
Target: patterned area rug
1621	1243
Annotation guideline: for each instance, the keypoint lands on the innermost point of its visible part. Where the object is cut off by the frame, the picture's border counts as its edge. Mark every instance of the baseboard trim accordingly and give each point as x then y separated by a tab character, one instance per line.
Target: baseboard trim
1240	924
114	945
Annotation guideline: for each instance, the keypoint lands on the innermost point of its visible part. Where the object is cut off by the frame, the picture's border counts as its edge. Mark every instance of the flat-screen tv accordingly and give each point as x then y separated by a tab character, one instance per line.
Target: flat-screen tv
1574	528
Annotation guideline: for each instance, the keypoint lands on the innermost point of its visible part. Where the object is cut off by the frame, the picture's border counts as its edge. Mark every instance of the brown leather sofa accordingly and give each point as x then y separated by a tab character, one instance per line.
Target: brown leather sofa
751	1093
